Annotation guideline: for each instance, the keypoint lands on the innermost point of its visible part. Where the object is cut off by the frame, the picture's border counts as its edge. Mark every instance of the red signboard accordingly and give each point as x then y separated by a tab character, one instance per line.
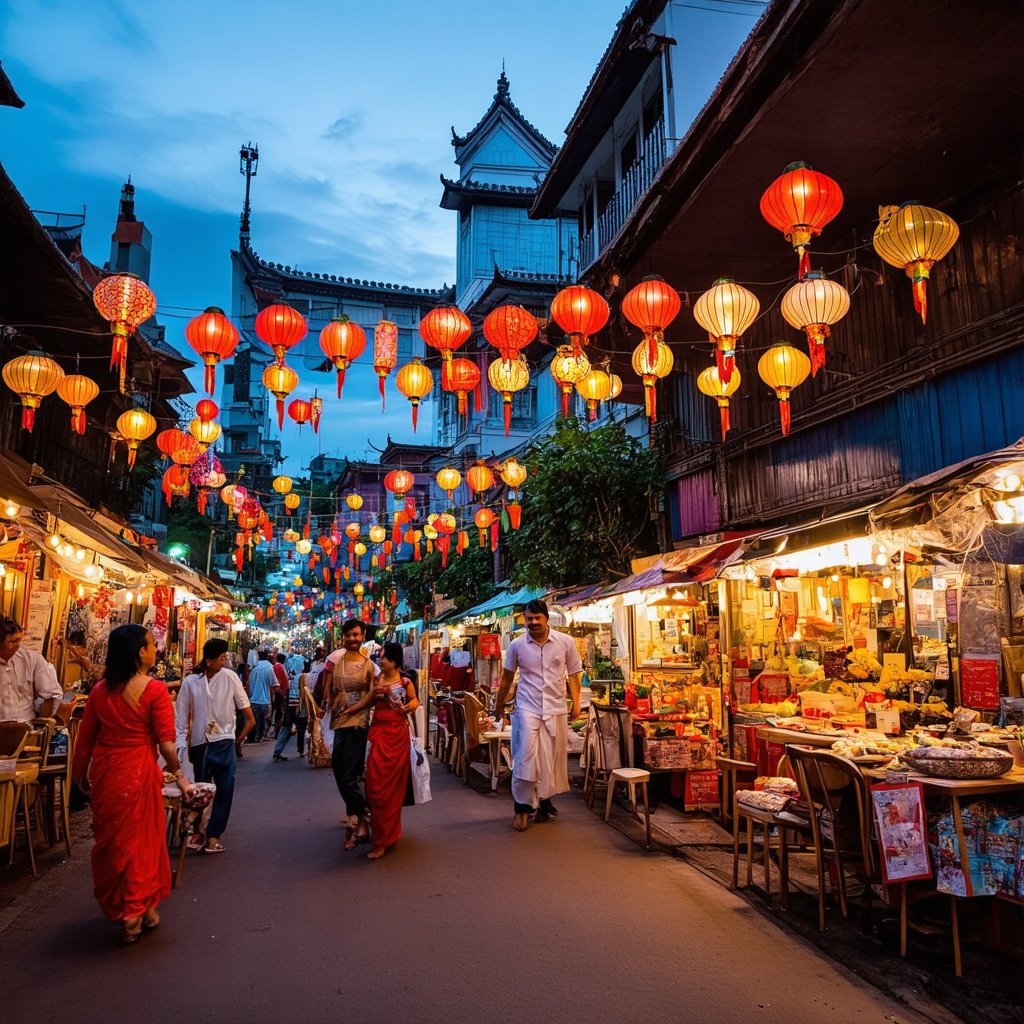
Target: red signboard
979	682
701	789
489	645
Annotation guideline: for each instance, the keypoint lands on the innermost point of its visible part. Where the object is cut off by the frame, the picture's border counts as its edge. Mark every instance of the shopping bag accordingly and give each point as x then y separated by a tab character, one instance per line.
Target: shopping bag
326	731
420	768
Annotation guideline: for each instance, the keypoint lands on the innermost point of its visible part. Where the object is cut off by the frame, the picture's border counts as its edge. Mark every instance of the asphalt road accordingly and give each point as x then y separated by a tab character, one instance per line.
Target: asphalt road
467	921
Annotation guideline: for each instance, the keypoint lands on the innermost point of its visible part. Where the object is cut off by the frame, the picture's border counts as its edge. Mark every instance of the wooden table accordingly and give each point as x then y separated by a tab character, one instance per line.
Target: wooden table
494	739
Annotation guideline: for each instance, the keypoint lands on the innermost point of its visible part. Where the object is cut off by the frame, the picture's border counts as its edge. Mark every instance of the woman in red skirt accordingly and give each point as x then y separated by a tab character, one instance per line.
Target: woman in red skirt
388	783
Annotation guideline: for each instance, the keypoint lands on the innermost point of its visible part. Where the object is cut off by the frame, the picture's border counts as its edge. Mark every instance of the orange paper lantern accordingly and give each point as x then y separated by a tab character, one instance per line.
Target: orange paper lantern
800	202
445	328
280	327
415	381
32	377
510	329
342	341
580	312
214	337
124	301
78	391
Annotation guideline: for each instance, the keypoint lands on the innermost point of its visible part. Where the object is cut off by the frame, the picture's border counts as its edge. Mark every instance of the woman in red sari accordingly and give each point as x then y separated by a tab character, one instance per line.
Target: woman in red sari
388	780
127	716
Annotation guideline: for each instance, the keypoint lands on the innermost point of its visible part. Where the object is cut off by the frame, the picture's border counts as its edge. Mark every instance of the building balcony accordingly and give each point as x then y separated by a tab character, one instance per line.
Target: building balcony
635	183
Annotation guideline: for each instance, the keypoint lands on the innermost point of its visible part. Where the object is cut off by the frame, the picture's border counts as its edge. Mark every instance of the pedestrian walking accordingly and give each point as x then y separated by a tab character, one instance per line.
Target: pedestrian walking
205	717
279	692
388	782
294	716
544	658
347	678
127	715
261	679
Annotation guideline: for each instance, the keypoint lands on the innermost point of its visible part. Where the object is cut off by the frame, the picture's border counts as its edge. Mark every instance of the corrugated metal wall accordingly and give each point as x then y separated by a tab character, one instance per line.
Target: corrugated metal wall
695	505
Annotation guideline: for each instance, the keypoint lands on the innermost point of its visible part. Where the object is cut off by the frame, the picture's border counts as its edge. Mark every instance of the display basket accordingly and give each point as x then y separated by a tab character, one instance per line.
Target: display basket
991	765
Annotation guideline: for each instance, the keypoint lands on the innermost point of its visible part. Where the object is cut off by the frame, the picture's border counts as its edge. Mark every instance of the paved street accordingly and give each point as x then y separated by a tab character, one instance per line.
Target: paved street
467	921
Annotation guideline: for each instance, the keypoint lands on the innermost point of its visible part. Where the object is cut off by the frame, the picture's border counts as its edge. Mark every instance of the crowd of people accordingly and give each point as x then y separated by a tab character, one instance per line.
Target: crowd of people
361	697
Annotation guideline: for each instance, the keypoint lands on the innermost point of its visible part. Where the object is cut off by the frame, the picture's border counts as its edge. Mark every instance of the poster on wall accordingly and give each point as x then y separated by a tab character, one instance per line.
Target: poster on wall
701	790
37	617
979	682
902	834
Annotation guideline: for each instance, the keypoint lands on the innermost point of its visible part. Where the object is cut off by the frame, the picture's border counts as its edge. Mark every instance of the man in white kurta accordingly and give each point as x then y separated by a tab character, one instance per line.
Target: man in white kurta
545	660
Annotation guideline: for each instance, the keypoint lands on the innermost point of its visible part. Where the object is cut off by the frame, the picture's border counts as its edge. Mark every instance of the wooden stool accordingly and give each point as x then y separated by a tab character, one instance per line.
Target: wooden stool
752	816
633	777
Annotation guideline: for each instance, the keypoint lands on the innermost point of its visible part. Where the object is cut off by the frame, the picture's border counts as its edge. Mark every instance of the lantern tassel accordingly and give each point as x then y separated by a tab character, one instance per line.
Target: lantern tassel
380	384
119	350
515	515
565	403
28	418
508	412
494	535
201	501
462	404
79	421
415	417
210	378
483	538
131	456
805	261
726	360
784	414
921	297
341	379
652	349
280	414
724	413
443	544
239	555
592	410
416	556
478	395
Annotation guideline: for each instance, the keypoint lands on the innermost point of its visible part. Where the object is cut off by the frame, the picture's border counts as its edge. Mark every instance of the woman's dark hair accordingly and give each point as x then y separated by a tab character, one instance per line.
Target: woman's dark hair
307	665
77	638
123	649
394	653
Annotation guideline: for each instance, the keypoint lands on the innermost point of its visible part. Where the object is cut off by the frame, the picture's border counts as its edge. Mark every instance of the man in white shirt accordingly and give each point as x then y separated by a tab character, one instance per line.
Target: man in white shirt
545	659
28	682
205	718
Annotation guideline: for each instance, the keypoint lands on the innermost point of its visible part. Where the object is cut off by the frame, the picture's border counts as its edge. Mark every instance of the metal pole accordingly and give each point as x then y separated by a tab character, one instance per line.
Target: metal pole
209	551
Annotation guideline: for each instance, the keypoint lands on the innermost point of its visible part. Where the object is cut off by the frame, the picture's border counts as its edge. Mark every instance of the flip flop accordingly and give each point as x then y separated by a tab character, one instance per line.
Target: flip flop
213	846
350	837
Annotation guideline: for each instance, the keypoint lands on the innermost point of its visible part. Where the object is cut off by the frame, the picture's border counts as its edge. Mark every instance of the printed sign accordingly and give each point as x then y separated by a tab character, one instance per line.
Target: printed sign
489	645
979	682
902	836
701	789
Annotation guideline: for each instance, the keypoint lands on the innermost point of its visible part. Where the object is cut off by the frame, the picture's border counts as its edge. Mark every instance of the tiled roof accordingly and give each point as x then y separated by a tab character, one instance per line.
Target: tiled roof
502	99
486	186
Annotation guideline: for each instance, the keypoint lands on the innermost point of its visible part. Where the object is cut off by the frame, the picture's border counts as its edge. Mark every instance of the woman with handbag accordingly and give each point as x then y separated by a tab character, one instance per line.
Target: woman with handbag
127	716
388	783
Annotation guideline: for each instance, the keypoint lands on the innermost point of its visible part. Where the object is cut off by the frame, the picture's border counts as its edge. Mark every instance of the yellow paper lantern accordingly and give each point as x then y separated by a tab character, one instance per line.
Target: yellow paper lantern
415	381
135	426
650	372
595	387
205	432
359	590
282	484
813	305
303	546
377	534
32	377
567	368
513	473
616	387
359	549
783	368
280	380
725	311
297	582
710	383
354	501
291	502
448	479
914	238
78	391
507	376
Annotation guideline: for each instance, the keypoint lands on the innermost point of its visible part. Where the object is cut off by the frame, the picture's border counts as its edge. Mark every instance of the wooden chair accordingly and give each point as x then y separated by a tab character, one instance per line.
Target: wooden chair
468	714
606	746
735	775
29	760
457	719
55	788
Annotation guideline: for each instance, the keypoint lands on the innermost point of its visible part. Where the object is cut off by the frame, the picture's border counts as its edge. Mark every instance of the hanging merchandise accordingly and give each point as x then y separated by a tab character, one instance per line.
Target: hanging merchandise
280	380
32	377
280	327
463	377
299	411
445	328
135	426
507	376
581	313
385	353
725	311
78	391
914	238
479	478
813	305
124	301
415	381
710	383
214	338
568	367
799	203
342	341
783	368
595	388
448	479
651	305
651	371
510	329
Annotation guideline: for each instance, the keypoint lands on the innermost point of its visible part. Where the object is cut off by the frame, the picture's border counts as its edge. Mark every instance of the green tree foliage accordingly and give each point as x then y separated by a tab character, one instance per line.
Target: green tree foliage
468	579
585	507
186	526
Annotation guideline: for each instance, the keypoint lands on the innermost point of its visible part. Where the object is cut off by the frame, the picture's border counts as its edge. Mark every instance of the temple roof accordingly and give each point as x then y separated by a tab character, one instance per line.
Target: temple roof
463	193
502	102
8	97
269	278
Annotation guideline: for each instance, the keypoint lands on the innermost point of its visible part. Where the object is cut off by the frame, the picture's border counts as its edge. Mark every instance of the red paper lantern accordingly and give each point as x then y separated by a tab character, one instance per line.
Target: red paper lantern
580	312
280	327
510	329
299	410
445	328
399	482
214	337
207	410
463	377
800	202
342	341
125	301
652	305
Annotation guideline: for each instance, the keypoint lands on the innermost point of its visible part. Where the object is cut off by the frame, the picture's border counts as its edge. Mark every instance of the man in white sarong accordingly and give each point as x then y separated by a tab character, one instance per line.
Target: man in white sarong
545	658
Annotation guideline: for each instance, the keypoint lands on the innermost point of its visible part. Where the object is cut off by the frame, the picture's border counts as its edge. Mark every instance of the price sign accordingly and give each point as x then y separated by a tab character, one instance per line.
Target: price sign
979	682
701	789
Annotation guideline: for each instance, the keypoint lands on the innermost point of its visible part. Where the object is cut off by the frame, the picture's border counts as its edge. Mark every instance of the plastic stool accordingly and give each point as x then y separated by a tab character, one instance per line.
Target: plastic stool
632	777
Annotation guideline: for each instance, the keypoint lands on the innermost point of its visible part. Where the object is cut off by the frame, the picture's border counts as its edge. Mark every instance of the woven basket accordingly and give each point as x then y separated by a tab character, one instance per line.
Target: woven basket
988	766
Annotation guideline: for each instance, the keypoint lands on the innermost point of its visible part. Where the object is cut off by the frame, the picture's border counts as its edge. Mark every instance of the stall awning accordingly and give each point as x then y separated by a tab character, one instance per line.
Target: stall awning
577	597
701	564
405	627
656	576
504	599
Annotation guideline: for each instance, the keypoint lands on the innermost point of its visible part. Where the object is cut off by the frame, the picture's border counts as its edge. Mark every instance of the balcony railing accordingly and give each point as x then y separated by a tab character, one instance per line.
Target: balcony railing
635	183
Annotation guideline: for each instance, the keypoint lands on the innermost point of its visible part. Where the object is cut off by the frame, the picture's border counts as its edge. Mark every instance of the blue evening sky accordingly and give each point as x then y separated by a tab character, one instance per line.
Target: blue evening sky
351	105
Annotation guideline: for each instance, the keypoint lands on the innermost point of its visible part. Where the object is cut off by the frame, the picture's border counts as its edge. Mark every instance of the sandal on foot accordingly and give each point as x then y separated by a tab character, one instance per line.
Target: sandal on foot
350	837
150	919
213	846
132	929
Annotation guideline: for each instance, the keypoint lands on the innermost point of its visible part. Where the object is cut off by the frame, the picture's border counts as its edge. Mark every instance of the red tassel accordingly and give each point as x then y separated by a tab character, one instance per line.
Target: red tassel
280	414
203	493
119	351
327	576
443	545
724	412
653	391
726	363
131	455
652	350
592	410
483	538
494	535
210	378
305	529
337	584
341	380
79	421
921	297
416	556
28	421
415	417
478	395
239	555
515	515
565	403
508	415
805	262
380	384
396	535
784	413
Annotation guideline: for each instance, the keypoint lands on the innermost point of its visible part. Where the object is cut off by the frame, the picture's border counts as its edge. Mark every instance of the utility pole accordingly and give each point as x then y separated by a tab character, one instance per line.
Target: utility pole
249	158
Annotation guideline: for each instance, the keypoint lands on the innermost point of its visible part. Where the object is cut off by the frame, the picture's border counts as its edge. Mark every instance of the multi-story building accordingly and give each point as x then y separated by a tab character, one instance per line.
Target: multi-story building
898	397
